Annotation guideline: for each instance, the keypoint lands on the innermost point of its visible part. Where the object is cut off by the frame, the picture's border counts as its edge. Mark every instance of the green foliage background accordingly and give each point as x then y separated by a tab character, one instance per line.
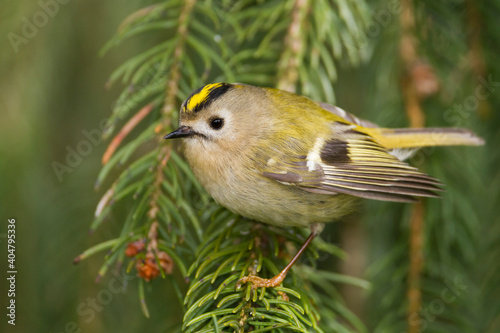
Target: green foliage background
52	91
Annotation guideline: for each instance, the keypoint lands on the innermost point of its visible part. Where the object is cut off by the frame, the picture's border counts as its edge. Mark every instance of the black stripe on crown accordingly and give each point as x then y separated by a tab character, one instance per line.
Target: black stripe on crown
210	92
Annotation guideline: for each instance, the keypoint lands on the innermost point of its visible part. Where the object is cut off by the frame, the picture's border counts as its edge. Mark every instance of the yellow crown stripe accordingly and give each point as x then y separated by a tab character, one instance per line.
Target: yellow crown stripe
202	95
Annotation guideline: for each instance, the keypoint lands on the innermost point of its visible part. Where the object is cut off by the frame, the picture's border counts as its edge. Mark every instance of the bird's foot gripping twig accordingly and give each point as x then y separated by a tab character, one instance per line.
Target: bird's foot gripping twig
258	282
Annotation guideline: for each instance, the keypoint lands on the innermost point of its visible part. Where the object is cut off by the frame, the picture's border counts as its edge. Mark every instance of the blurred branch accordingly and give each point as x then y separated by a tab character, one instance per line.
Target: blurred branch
408	54
409	57
416	267
291	57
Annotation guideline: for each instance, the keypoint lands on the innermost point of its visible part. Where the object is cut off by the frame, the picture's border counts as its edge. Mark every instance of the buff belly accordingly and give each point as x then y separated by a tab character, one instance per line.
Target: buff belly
246	192
281	205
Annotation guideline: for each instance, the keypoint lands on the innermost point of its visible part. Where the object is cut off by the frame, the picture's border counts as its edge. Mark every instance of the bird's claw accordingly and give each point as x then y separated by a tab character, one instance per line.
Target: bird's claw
258	282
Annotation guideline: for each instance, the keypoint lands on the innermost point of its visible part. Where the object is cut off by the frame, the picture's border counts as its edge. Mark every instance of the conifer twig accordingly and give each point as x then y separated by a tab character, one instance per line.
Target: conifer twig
126	129
174	75
169	104
294	43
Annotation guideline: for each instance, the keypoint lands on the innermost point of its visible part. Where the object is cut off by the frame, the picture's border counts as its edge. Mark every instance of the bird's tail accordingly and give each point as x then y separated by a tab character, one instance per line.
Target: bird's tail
425	137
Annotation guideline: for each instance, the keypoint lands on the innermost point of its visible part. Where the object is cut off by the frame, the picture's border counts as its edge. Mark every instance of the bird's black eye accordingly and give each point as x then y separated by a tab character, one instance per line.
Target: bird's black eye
217	123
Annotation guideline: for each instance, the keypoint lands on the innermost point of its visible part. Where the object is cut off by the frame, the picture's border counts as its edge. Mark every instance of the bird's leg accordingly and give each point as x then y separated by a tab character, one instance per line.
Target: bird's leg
258	282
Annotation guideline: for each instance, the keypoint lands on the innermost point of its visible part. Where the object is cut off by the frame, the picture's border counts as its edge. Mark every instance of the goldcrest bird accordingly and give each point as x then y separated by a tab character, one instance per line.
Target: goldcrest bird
283	159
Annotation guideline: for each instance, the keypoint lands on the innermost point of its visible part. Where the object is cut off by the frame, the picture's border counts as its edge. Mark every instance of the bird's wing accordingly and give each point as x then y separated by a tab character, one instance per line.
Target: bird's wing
349	117
351	162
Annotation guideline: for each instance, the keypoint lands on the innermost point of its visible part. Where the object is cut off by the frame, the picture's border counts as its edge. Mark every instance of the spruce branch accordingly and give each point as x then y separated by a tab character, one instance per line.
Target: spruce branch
161	200
215	301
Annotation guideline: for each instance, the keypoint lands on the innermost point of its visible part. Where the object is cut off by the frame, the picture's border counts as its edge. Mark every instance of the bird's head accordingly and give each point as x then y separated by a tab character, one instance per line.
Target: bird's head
221	117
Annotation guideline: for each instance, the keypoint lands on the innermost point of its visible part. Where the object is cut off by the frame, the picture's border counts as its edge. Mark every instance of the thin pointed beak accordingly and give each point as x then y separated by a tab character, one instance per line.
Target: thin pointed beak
181	132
